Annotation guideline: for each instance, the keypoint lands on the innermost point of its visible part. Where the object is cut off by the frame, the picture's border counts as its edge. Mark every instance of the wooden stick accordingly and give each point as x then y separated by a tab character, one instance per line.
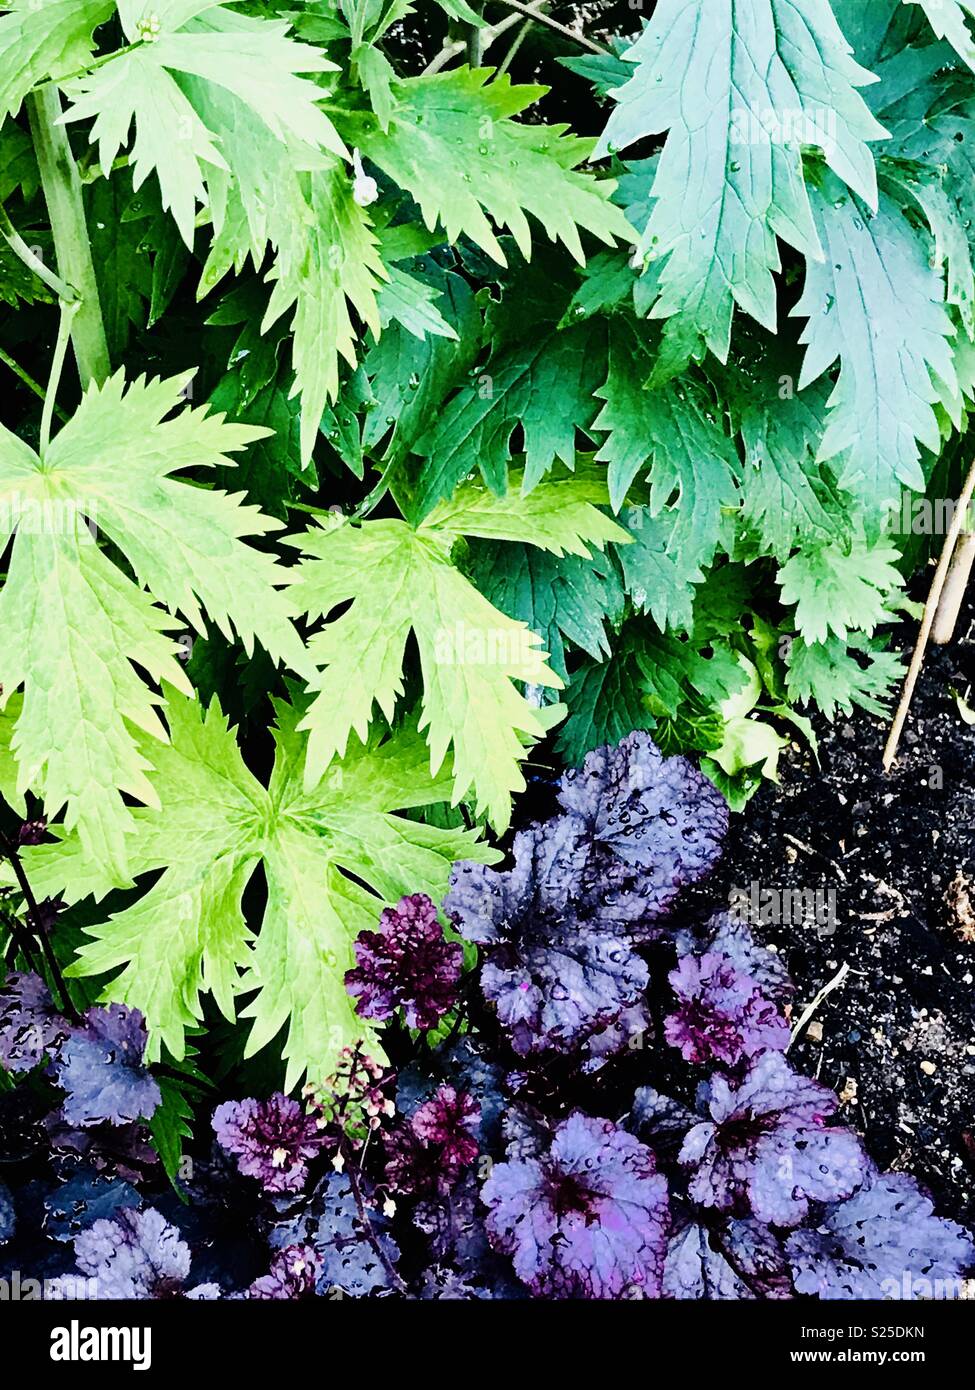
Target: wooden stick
946	618
927	622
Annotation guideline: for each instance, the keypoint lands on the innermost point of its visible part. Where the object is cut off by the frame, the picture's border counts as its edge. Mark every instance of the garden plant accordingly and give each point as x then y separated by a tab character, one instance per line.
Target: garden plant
464	465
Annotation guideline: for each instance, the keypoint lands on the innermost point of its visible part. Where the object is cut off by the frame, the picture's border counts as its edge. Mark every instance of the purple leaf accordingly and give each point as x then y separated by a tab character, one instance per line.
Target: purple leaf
30	1026
767	1149
722	1015
736	1260
333	1226
100	1067
658	816
294	1274
587	1219
406	964
884	1242
271	1139
135	1255
555	977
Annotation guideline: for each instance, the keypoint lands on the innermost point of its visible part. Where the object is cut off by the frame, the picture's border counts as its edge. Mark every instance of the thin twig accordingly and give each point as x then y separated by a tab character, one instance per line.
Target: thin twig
19	247
454	47
29	382
34	918
546	19
810	1009
927	622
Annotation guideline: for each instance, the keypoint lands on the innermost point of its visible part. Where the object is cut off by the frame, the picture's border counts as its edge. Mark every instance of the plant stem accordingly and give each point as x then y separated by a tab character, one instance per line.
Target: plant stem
509	57
34	263
532	13
62	191
29	381
68	312
34	920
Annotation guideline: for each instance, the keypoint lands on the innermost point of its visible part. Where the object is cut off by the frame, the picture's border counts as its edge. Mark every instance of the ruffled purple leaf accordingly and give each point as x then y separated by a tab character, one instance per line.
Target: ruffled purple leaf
100	1067
767	1149
722	1014
406	964
30	1026
137	1254
660	818
587	1219
559	928
273	1140
556	974
427	1153
733	939
884	1242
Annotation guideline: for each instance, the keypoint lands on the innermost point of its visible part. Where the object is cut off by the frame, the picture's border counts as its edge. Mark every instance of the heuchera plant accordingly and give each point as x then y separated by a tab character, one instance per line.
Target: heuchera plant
479	1181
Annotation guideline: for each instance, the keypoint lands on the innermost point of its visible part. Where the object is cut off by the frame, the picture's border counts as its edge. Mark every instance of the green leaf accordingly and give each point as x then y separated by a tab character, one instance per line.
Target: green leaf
950	19
740	85
877	304
76	626
402	581
252	60
186	935
412	378
840	588
544	386
836	675
567	598
451	143
786	500
8	763
412	303
606	700
38	42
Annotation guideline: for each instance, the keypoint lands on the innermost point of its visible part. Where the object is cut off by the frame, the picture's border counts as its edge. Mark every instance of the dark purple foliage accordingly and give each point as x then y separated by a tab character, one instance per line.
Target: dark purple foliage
738	1259
84	1199
272	1140
427	1153
661	820
100	1067
406	964
732	939
449	1121
884	1242
766	1149
555	977
722	1014
294	1274
587	1219
30	1026
558	929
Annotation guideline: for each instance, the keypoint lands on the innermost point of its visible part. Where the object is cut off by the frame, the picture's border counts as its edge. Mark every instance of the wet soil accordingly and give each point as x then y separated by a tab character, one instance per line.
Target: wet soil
892	859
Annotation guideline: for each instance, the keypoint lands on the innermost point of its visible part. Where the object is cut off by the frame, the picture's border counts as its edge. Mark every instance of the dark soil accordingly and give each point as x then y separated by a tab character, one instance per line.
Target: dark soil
897	1037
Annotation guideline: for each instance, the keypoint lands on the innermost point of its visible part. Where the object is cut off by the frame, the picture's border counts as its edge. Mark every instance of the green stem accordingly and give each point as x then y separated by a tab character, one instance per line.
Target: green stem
29	381
62	190
68	312
33	263
551	23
